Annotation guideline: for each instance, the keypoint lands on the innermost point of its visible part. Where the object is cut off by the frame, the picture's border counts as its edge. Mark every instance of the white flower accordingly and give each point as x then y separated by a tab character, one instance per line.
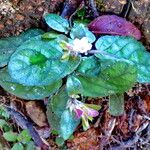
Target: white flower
81	45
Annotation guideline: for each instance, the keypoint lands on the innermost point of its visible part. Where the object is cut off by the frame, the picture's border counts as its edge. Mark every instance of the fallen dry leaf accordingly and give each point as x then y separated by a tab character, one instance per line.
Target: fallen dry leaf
147	103
88	140
36	113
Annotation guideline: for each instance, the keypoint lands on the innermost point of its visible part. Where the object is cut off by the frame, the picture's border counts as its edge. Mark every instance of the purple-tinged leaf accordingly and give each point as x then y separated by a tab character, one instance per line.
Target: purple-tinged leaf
112	24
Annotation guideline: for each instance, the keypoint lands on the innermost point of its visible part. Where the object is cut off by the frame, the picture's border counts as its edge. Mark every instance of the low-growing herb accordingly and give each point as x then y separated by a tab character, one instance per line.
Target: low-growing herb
68	64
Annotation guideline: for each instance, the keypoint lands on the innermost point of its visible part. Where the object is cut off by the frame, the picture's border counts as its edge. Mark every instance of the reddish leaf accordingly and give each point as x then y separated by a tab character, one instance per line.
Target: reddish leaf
112	24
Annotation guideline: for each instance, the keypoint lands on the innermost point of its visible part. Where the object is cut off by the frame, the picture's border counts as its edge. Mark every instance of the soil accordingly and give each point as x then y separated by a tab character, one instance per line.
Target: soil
130	131
19	15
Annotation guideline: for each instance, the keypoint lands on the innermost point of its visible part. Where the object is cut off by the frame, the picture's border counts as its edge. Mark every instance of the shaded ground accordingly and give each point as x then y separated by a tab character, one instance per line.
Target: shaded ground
130	131
19	15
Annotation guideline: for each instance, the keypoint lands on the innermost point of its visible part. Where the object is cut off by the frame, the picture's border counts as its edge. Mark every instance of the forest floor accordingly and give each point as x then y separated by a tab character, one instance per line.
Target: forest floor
129	131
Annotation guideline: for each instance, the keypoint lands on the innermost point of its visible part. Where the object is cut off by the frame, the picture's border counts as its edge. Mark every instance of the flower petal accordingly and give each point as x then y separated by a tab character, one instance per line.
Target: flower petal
78	113
85	123
92	112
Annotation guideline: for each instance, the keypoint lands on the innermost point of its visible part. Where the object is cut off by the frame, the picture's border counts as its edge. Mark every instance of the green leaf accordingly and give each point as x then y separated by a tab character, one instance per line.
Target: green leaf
38	62
17	146
53	119
73	86
93	106
4	113
56	107
10	136
81	12
130	49
30	146
27	92
2	123
50	35
117	76
57	23
68	124
89	66
79	31
24	136
59	101
9	45
59	141
84	21
116	104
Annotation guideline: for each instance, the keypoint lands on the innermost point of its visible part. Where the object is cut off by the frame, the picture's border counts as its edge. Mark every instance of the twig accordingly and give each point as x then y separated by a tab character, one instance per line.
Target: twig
126	9
146	117
131	118
94	9
126	144
24	123
143	127
111	126
133	140
70	7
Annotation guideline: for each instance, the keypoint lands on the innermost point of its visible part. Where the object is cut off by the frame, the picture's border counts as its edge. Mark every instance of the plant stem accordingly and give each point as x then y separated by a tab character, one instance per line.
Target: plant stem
70	7
94	52
99	52
102	53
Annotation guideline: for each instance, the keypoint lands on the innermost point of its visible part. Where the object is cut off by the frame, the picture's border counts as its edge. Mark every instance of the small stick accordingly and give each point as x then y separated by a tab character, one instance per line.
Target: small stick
126	9
70	7
133	140
94	9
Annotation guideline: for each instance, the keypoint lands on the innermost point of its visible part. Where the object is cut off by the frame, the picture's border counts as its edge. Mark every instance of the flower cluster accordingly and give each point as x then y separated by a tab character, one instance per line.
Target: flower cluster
77	45
83	111
81	45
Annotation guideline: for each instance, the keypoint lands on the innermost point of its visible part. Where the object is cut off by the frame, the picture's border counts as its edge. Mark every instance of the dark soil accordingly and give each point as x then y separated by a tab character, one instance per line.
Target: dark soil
130	131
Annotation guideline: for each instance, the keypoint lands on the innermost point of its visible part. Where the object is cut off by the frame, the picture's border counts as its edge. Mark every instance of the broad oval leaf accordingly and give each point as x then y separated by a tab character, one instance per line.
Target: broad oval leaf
115	25
79	31
116	76
68	124
39	62
55	108
57	23
27	92
73	85
89	66
53	119
59	101
9	45
130	49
